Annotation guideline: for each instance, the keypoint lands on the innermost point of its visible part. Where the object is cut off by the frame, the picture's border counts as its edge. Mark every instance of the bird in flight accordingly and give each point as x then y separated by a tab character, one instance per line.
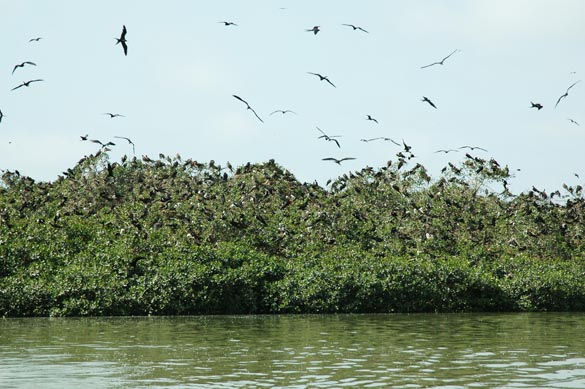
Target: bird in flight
447	151
566	92
21	65
26	83
122	40
113	115
35	39
338	161
225	23
129	142
473	148
426	99
355	27
321	78
248	107
536	105
283	111
441	62
330	138
368	117
572	121
315	29
84	137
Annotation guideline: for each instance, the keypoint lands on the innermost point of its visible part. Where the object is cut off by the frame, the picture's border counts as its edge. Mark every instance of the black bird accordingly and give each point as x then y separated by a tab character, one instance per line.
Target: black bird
26	83
228	23
113	115
338	161
35	39
315	29
84	137
407	148
566	93
22	65
447	151
473	148
122	40
569	119
283	111
536	105
328	137
441	62
321	78
248	107
426	99
355	27
368	117
129	142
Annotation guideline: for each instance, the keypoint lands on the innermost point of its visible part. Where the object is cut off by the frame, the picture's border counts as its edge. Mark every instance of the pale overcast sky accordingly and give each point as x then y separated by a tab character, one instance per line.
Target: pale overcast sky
175	86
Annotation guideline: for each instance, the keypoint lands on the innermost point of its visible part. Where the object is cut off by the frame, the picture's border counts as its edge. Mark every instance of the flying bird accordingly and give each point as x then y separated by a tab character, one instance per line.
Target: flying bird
569	119
21	65
338	161
355	27
321	78
441	62
228	23
566	93
368	117
35	39
283	111
315	29
473	148
84	137
113	115
248	107
447	151
122	40
330	138
426	99
26	83
536	105
381	138
129	142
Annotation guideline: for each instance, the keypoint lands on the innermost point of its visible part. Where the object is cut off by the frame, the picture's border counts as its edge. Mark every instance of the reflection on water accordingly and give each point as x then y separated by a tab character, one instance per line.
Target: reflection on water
334	351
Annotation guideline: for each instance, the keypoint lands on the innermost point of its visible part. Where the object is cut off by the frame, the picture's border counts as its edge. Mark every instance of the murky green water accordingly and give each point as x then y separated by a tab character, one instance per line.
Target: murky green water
357	351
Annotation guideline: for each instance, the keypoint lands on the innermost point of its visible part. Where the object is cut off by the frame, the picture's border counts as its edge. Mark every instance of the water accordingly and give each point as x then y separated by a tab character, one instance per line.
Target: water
330	351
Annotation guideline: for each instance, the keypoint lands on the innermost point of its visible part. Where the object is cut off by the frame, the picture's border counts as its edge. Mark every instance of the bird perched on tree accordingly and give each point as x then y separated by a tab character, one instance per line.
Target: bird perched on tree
323	78
21	65
122	40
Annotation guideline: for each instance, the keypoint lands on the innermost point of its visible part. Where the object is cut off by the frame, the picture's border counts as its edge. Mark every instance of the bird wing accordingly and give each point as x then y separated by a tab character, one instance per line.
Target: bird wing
123	35
36	80
125	47
346	159
454	51
426	66
251	109
242	100
331	159
15	67
321	131
336	142
359	28
573	84
21	85
560	98
326	79
30	63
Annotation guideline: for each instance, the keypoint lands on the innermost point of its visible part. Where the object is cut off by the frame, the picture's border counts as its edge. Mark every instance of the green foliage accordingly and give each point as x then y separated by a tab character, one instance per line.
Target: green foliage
174	237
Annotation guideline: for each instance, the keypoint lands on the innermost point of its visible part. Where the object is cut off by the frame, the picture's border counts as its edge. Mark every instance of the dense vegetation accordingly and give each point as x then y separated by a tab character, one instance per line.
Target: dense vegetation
173	236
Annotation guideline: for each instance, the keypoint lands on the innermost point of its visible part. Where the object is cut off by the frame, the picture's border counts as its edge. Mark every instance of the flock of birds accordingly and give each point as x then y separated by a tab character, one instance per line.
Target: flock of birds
405	153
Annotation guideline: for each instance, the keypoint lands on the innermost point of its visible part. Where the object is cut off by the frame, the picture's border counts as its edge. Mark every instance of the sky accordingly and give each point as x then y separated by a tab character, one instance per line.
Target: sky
175	86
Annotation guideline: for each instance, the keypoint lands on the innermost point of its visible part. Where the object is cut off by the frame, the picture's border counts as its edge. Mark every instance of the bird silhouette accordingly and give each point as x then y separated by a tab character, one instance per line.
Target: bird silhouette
338	161
248	107
473	148
26	83
441	62
447	151
122	40
315	29
536	105
368	117
21	65
283	111
113	115
566	92
355	27
1	116
228	23
426	99
330	138
407	148
323	78
35	39
129	142
572	121
84	137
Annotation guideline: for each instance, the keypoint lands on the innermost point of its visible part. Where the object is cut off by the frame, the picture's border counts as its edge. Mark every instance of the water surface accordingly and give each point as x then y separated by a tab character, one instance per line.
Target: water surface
329	351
